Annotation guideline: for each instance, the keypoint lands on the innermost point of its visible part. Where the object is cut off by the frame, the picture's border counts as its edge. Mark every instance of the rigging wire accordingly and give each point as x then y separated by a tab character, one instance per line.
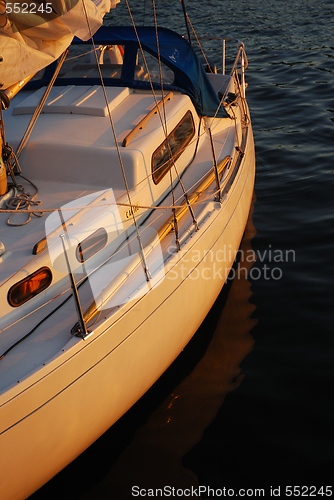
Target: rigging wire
175	222
129	204
20	198
126	205
34	328
40	106
112	125
163	122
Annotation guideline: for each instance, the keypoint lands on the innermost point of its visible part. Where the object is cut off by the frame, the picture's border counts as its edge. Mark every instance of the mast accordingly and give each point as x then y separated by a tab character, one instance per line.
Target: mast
186	19
3	170
3	173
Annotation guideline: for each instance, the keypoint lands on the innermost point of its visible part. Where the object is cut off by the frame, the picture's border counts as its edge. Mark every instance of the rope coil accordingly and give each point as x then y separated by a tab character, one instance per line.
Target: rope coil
20	203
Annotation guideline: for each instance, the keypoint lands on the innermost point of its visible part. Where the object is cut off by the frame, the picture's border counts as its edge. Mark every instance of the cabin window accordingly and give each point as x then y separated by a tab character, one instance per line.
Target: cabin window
91	245
164	157
82	63
29	287
150	70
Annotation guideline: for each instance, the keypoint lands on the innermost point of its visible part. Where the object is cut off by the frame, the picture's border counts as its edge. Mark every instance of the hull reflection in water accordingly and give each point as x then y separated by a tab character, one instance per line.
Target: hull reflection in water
154	457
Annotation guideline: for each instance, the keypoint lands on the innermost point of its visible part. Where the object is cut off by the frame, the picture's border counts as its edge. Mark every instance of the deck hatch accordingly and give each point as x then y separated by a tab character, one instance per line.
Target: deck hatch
71	99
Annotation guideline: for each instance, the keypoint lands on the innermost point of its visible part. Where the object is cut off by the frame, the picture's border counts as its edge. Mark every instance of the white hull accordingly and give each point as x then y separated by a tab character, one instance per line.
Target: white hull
52	409
80	395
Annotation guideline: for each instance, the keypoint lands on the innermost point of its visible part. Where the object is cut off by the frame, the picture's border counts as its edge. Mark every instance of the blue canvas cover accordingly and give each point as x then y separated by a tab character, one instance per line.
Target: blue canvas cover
175	52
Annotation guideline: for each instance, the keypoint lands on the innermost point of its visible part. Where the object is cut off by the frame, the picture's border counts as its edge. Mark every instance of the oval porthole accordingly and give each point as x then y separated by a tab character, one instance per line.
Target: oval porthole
91	245
29	287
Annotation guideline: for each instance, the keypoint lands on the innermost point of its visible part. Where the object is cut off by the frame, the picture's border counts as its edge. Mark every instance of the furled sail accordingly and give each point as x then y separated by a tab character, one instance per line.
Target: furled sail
35	33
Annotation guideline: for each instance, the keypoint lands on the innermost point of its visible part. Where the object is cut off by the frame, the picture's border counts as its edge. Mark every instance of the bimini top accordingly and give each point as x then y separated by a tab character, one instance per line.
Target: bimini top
174	51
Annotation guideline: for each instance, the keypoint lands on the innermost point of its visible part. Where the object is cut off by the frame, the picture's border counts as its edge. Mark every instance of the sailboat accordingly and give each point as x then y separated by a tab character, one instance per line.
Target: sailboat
126	179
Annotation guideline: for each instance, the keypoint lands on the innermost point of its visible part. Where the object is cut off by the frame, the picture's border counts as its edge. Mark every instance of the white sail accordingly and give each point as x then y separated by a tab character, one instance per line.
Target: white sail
32	35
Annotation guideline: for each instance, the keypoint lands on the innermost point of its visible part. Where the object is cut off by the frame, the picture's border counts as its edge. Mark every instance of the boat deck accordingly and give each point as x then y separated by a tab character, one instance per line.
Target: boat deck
75	168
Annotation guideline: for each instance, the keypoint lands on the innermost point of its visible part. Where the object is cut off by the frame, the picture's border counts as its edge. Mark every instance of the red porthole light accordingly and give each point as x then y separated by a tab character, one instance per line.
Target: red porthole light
29	287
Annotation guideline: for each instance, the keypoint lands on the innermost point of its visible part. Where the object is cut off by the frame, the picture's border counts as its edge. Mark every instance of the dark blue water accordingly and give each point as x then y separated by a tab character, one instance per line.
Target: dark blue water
249	404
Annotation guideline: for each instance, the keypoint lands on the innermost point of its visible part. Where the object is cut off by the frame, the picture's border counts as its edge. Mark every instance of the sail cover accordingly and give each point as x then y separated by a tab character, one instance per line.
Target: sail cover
34	34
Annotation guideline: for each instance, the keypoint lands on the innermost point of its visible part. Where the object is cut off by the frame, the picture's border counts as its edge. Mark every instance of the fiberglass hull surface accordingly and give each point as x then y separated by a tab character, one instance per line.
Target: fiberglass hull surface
56	413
